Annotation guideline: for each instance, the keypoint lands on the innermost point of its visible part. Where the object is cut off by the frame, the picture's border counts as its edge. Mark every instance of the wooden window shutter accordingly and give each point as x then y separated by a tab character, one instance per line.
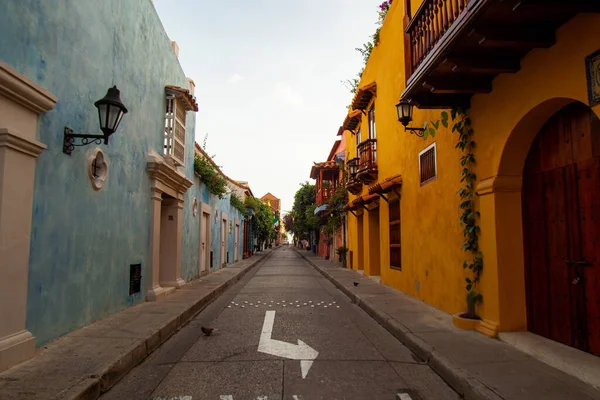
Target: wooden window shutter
395	235
427	164
174	141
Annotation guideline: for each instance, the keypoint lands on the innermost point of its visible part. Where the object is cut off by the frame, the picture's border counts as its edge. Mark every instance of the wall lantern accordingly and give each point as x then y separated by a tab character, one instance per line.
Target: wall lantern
110	112
353	167
405	109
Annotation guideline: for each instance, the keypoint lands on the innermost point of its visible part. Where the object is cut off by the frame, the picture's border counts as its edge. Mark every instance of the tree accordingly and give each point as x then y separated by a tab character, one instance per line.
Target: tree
304	199
262	220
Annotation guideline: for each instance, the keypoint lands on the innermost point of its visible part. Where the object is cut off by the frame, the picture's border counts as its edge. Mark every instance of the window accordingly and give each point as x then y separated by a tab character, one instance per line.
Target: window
372	134
427	164
395	244
135	278
174	142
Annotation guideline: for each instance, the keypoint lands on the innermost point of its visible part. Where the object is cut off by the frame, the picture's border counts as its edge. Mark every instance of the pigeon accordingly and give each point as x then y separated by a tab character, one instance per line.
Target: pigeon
207	331
355	283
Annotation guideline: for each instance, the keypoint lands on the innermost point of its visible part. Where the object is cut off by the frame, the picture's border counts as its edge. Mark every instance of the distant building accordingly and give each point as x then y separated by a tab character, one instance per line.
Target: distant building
275	204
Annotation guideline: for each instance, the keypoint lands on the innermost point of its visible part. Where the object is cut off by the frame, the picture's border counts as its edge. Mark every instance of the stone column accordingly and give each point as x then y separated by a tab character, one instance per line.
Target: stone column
21	102
155	291
501	241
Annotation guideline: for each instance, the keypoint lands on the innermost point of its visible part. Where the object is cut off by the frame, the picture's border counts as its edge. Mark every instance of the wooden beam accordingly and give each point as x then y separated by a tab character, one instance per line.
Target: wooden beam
483	65
557	6
519	37
441	101
463	85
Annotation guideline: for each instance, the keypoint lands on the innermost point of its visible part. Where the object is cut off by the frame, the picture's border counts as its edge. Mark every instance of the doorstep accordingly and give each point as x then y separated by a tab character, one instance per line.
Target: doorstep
475	366
89	361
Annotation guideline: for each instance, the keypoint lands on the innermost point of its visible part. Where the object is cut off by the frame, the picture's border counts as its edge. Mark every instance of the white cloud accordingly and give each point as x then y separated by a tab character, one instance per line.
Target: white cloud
235	78
286	94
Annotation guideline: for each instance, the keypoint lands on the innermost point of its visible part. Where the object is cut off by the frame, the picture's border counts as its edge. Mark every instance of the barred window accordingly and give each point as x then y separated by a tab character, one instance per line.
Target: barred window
427	164
395	231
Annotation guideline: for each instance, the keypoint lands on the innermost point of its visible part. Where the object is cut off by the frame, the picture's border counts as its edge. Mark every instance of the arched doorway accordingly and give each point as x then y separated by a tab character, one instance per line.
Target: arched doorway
561	229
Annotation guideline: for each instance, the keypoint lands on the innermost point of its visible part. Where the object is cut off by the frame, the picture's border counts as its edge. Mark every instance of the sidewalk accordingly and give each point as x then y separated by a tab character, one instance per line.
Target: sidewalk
89	361
476	366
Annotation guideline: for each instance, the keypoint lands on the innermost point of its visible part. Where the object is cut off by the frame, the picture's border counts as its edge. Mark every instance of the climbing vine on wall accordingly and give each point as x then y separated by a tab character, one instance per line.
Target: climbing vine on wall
461	124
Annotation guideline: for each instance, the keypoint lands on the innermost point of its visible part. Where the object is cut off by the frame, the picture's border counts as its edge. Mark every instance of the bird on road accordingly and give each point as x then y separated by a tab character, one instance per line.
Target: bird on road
207	331
355	283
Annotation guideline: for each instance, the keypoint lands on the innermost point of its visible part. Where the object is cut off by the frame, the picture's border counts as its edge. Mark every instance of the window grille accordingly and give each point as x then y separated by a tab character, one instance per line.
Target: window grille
174	141
427	164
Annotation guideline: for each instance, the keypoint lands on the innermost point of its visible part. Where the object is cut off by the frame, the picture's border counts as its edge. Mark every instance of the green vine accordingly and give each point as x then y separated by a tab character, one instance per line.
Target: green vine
237	203
461	124
215	183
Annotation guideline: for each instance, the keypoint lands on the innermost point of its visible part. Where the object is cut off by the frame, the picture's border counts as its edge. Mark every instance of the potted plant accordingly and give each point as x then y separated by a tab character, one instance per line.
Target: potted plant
341	252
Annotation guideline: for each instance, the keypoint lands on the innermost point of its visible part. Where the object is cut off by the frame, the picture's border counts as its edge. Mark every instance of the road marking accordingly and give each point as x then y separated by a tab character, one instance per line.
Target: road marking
301	351
403	396
226	397
176	398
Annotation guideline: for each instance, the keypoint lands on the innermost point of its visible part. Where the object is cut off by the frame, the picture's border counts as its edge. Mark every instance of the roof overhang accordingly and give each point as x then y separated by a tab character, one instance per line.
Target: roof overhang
352	120
186	97
363	96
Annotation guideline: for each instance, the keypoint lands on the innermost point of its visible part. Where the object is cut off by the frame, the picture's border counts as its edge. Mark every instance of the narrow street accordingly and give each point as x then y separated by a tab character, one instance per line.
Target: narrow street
267	328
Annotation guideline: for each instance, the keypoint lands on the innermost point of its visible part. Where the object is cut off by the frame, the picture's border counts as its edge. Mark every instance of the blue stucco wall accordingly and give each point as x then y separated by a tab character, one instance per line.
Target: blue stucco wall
83	240
191	230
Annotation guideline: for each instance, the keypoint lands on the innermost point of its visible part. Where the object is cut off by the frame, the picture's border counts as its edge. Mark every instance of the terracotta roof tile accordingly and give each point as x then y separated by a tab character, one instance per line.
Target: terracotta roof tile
363	96
386	185
352	120
184	94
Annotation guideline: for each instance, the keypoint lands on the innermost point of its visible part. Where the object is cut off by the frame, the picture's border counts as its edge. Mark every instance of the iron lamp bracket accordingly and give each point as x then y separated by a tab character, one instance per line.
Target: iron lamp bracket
70	136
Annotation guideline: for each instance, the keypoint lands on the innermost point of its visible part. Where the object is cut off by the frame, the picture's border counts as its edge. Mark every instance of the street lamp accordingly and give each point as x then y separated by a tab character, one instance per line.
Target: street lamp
405	109
110	113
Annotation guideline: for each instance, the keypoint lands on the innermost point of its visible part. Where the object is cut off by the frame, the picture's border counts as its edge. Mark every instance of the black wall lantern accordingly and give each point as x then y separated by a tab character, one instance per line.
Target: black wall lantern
404	109
110	112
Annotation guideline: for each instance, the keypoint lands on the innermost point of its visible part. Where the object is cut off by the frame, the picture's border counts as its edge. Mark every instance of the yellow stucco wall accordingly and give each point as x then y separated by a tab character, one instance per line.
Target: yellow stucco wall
431	235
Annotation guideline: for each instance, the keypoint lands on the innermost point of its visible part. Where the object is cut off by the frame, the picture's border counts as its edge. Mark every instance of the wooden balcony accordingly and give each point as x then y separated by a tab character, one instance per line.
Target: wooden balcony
367	161
455	48
353	185
324	194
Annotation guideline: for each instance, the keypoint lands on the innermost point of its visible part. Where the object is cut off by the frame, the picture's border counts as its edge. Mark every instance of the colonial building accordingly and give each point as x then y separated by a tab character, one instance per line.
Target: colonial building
328	178
524	160
100	207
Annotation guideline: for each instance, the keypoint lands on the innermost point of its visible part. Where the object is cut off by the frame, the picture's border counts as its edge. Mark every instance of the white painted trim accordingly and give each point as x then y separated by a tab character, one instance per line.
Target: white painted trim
432	145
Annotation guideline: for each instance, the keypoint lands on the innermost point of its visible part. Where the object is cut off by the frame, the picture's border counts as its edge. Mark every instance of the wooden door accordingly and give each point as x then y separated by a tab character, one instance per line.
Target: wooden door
561	222
236	243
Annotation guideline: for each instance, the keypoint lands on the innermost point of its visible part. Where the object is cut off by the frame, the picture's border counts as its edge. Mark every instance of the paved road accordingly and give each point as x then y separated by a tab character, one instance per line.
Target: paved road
288	311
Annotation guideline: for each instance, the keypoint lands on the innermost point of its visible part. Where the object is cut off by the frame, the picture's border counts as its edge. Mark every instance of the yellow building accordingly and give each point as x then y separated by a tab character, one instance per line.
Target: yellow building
529	74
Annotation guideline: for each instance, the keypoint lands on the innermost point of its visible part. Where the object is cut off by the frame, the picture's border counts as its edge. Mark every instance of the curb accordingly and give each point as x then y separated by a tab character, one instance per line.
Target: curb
92	387
459	379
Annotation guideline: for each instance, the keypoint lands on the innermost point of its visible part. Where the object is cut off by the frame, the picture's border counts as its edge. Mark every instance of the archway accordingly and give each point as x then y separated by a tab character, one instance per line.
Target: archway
561	229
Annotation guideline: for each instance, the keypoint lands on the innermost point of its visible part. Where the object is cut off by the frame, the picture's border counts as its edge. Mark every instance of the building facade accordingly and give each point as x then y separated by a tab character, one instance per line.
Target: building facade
530	184
86	231
274	204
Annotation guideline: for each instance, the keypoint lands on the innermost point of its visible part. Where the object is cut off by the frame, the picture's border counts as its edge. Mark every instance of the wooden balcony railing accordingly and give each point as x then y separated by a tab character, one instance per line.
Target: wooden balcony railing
324	194
431	21
367	164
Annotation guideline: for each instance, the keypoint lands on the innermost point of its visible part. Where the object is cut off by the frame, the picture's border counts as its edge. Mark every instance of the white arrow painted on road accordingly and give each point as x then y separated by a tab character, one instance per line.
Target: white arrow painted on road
300	351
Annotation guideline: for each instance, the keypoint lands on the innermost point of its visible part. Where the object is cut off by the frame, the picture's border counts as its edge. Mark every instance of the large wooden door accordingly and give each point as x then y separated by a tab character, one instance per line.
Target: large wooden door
561	222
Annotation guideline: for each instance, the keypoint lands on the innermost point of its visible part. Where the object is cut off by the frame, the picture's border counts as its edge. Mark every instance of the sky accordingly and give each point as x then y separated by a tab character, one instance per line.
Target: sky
268	78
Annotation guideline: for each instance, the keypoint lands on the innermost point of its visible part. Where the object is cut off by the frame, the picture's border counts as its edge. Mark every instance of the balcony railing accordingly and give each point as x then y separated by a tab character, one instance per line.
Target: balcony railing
367	164
353	185
431	21
324	194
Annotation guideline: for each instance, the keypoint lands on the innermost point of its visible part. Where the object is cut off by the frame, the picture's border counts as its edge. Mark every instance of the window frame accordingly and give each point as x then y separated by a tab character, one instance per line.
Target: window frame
395	224
421	153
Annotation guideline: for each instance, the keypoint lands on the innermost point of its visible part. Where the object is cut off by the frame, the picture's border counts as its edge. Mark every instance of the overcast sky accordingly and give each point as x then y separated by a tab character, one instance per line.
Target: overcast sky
268	80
